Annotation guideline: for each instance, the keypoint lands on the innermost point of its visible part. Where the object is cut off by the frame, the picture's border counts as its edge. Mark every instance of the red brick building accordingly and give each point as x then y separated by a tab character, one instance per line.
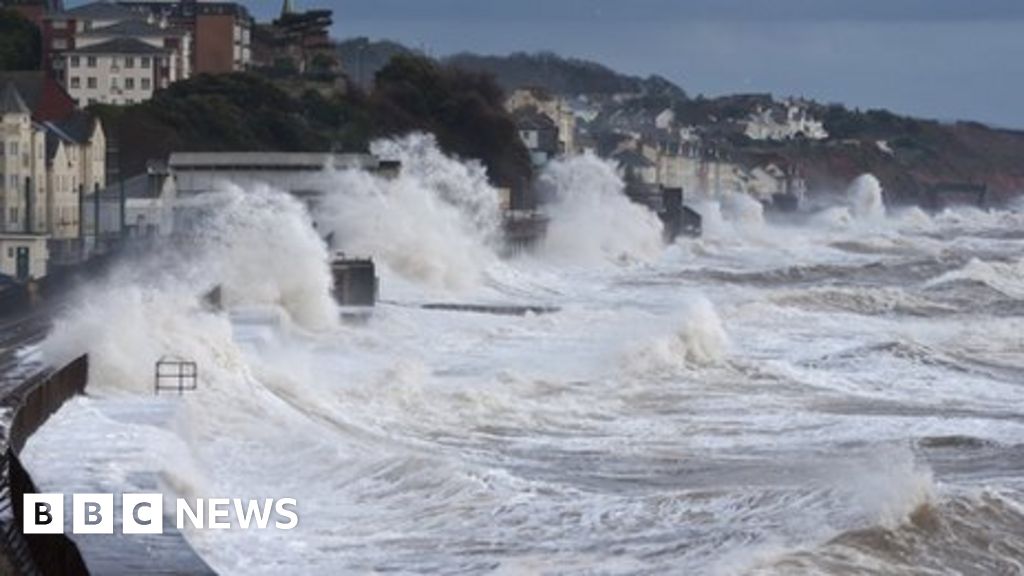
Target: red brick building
221	31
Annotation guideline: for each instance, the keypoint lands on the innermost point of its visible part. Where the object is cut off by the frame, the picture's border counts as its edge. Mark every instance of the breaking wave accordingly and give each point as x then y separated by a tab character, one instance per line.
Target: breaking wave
865	197
436	223
960	534
864	204
258	246
699	339
1006	278
592	220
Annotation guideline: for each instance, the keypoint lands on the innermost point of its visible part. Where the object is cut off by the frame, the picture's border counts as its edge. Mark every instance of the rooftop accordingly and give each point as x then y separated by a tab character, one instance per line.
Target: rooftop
41	93
76	128
10	100
97	11
268	161
131	28
630	158
122	45
531	119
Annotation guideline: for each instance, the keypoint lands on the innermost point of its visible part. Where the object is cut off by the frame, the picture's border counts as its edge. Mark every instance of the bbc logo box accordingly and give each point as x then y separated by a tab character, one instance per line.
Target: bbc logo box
93	514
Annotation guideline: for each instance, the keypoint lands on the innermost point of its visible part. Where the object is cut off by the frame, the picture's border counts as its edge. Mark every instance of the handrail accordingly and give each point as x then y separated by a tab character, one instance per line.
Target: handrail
32	404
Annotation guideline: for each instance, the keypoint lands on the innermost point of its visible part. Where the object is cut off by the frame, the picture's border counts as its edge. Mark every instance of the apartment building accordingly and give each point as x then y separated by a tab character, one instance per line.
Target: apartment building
112	54
46	167
120	71
221	31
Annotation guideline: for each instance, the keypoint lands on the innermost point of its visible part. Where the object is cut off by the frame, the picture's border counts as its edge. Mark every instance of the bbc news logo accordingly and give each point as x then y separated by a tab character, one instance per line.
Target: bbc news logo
144	513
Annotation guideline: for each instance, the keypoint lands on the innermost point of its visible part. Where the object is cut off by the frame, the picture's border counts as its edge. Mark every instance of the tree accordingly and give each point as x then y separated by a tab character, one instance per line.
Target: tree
464	110
20	42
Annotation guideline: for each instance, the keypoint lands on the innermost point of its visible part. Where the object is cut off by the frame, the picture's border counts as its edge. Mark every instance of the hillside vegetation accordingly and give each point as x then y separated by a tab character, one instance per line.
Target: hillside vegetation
248	112
568	76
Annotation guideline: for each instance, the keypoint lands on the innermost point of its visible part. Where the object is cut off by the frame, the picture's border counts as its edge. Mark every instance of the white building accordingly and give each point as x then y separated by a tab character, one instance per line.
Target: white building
22	189
785	123
665	119
45	169
76	169
193	174
110	54
120	71
558	109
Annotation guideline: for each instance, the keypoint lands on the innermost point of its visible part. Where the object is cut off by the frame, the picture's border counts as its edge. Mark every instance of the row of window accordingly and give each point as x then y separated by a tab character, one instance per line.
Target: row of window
83	102
129	61
129	83
64	217
83	25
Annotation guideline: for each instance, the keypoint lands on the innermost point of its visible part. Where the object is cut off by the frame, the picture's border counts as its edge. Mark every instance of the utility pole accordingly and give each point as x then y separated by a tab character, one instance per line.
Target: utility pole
96	216
28	205
81	222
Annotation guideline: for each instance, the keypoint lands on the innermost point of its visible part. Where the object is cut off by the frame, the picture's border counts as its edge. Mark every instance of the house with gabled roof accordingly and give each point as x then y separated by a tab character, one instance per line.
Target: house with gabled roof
48	163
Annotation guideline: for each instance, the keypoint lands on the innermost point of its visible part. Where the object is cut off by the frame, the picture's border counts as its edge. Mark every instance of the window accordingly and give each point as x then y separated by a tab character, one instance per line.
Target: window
129	62
60	25
90	61
144	61
60	44
113	83
76	82
129	83
74	61
145	84
91	82
12	215
14	151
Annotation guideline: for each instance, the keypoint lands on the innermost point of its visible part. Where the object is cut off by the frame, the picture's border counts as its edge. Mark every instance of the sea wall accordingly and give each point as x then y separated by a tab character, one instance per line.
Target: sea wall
25	409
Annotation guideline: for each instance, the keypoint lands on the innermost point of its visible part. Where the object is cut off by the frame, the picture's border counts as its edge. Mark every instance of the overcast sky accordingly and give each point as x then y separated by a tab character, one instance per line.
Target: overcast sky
946	59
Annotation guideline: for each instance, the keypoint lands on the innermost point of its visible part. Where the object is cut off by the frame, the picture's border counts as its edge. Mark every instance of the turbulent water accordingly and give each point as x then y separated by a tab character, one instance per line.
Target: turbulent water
837	393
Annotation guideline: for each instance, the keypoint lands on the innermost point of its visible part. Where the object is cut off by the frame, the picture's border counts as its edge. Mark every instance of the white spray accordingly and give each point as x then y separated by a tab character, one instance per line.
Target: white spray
698	338
865	198
259	246
591	218
434	224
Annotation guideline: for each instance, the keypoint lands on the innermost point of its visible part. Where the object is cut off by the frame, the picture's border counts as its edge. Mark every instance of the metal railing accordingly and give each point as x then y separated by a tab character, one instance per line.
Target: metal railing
175	374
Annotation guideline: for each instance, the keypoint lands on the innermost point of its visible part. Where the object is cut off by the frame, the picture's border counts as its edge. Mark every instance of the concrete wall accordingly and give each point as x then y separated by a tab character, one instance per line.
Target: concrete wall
33	403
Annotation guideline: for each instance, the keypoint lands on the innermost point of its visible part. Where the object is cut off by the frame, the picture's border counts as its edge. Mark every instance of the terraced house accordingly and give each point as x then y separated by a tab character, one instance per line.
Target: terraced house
51	158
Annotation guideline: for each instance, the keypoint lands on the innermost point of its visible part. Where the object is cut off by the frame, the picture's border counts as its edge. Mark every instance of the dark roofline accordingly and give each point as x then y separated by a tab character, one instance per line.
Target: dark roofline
132	28
121	45
95	10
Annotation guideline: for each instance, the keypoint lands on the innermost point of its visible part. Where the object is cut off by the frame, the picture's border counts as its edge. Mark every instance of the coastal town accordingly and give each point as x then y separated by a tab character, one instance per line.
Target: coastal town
74	187
284	294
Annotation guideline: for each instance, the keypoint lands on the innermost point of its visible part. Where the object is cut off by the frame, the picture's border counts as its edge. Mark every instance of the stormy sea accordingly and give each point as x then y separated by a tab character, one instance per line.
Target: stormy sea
837	391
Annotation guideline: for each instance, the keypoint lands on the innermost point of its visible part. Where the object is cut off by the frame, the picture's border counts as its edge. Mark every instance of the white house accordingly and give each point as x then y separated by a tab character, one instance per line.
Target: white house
665	119
558	109
783	123
120	71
